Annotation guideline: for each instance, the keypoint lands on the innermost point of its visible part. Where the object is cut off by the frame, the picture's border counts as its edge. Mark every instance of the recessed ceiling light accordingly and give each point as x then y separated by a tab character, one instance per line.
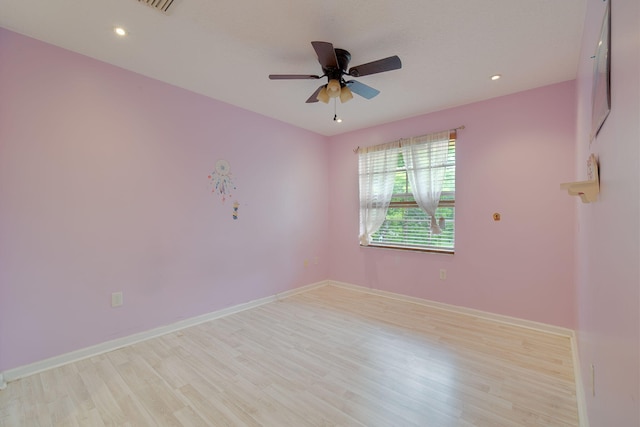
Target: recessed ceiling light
496	76
120	31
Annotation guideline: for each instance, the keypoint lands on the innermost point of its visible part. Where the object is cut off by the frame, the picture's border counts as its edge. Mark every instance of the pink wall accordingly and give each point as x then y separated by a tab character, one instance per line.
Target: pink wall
608	276
511	158
103	188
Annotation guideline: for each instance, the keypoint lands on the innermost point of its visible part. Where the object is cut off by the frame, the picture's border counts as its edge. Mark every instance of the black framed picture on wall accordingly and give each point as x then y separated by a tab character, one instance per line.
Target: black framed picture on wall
601	97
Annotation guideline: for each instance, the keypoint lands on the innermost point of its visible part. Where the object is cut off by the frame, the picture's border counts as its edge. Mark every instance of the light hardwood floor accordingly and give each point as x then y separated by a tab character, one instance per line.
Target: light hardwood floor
327	357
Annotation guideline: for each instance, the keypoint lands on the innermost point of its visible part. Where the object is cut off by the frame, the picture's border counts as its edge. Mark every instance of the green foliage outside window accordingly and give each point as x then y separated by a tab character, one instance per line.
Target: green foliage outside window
407	225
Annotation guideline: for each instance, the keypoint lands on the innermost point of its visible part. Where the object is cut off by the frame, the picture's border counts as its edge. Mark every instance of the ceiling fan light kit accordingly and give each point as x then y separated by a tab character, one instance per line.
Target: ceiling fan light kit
334	63
345	94
323	95
333	88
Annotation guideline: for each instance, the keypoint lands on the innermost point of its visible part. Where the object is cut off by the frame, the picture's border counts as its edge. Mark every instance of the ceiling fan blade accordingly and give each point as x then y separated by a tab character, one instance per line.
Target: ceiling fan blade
292	76
379	66
362	89
326	54
314	96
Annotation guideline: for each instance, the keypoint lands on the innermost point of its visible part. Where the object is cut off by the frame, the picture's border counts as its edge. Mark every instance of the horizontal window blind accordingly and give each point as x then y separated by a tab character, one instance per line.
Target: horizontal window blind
406	225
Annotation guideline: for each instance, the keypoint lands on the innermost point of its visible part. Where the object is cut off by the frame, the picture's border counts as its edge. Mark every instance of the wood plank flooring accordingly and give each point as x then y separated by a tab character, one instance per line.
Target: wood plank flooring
327	357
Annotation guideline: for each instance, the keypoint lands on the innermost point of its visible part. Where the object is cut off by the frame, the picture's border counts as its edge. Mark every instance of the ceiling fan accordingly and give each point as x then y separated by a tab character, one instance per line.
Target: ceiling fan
334	64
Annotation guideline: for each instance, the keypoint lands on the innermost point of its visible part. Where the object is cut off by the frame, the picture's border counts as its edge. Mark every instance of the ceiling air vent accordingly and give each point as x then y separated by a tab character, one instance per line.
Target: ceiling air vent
161	5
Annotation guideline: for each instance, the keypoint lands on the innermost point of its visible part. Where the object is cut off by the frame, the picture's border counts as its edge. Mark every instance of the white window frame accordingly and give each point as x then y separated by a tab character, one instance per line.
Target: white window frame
447	200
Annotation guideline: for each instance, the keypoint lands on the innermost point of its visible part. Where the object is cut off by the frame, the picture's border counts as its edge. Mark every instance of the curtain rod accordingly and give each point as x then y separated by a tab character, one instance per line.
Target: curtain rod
355	150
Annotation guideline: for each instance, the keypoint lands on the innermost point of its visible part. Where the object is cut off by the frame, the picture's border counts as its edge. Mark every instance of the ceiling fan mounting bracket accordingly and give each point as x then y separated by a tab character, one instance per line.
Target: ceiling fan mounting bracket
343	58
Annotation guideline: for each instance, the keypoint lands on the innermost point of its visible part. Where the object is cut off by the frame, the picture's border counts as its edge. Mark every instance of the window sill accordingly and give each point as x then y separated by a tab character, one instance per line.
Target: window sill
408	248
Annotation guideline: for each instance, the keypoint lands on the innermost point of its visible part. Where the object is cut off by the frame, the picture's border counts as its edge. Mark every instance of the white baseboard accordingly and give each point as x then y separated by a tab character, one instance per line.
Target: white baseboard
53	362
581	397
34	368
530	324
557	330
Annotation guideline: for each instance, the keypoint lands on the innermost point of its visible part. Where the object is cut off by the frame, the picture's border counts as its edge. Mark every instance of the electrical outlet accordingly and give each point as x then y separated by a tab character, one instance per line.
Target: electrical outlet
443	274
116	299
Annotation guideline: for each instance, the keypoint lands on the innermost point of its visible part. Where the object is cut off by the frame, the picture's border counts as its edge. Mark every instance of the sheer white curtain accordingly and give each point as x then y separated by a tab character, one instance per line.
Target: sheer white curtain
377	167
425	158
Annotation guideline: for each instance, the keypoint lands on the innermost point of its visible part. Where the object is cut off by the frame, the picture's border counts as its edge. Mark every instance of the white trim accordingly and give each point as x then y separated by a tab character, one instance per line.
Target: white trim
300	290
530	324
43	365
557	330
63	359
580	391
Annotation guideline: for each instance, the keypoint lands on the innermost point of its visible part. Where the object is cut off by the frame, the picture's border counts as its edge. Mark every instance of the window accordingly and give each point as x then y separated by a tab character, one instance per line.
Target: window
404	222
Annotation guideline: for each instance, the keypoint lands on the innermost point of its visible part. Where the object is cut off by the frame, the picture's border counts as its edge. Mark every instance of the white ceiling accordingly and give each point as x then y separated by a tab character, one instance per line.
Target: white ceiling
226	49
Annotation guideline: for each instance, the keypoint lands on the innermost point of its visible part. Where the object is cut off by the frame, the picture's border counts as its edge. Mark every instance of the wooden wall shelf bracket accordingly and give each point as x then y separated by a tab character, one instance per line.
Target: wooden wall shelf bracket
587	190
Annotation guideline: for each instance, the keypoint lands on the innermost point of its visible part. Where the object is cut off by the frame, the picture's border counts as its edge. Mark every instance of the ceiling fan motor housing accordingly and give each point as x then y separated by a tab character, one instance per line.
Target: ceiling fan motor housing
343	57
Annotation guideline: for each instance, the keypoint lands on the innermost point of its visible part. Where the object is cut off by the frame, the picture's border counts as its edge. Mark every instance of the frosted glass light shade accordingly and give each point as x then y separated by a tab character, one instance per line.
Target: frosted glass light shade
333	88
345	94
323	96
